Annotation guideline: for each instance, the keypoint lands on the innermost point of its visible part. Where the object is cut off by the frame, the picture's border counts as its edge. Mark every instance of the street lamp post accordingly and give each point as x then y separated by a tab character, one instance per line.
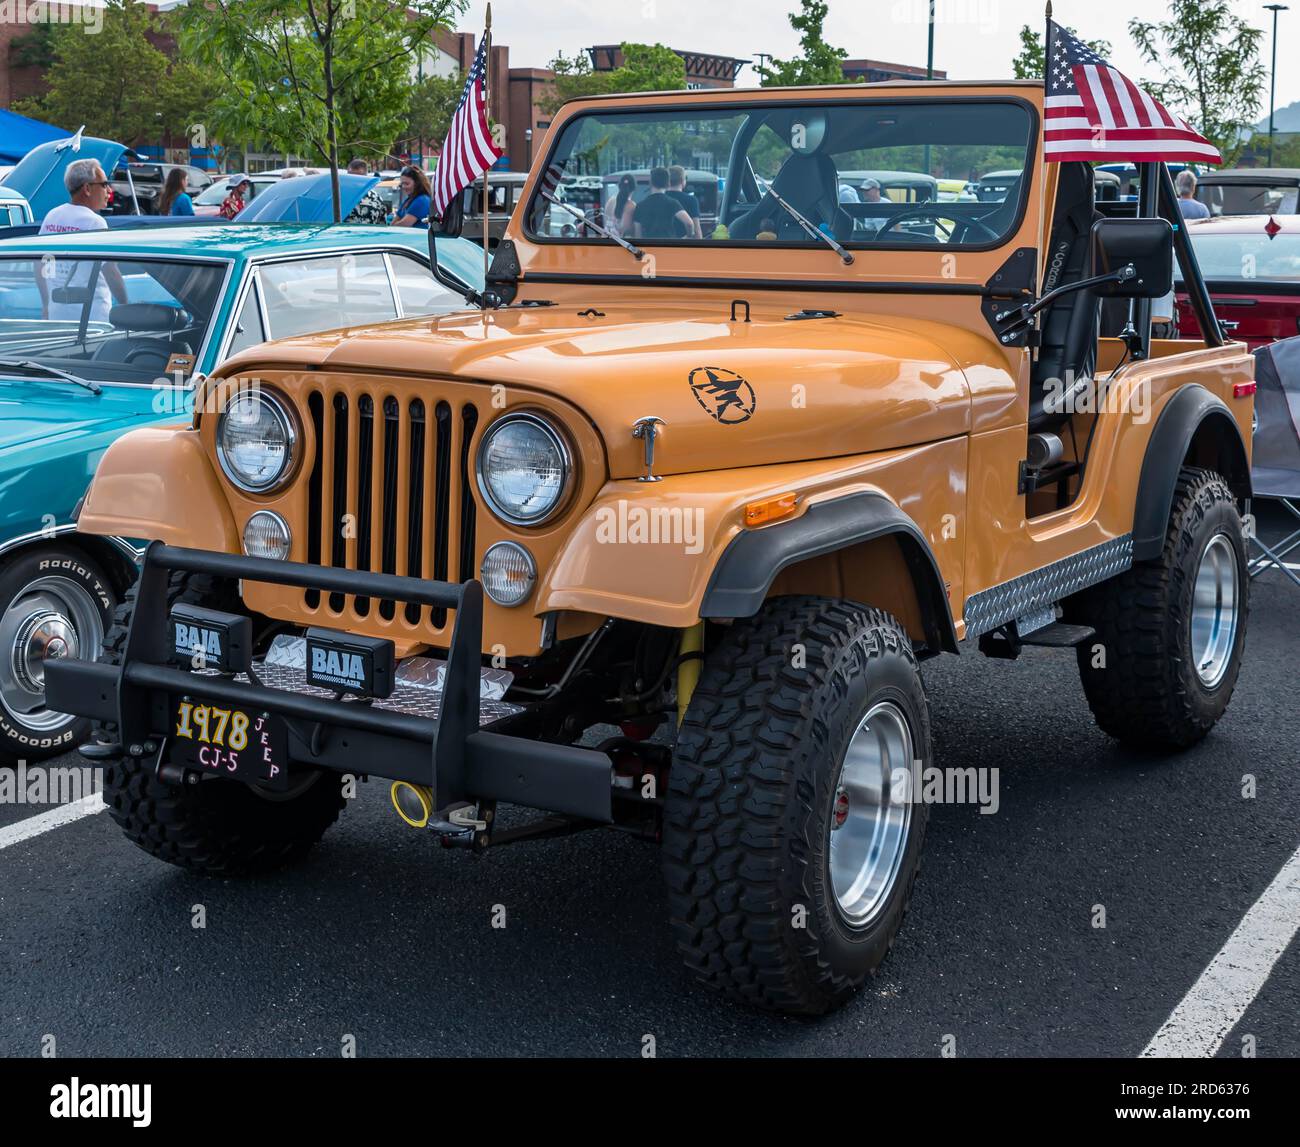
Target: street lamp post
1272	76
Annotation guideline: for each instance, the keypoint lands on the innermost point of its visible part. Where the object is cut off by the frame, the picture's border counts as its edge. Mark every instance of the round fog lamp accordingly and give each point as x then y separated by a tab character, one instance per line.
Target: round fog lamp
509	573
267	536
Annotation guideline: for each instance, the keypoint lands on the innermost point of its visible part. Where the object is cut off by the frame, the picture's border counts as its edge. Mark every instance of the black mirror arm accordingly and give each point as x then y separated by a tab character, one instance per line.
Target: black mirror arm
1020	315
468	293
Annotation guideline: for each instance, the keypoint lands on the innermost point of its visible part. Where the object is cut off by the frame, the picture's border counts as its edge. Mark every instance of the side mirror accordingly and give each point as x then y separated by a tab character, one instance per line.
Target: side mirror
1146	245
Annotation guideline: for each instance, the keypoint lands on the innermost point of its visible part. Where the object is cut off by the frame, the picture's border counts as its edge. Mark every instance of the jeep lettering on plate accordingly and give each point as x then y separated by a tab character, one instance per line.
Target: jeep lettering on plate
722	481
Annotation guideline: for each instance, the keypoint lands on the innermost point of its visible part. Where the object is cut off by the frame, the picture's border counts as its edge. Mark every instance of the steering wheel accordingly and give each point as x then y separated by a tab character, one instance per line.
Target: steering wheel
935	215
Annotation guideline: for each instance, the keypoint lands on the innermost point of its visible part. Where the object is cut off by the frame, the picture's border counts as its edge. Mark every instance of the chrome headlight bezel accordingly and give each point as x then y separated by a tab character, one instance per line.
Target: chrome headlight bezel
561	444
288	423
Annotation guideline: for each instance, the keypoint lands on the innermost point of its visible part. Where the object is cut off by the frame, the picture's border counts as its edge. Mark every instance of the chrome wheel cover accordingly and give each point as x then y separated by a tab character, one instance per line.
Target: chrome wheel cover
49	618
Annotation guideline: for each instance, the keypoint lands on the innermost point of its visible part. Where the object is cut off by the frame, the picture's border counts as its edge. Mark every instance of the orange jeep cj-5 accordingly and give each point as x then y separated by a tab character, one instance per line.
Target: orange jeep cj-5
655	533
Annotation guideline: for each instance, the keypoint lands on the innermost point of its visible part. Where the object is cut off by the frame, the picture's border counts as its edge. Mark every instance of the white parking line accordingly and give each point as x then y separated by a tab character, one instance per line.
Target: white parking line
55	818
1218	1000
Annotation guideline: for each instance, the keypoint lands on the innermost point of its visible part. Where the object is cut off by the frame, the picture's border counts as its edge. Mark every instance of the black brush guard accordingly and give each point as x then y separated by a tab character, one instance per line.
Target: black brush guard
451	755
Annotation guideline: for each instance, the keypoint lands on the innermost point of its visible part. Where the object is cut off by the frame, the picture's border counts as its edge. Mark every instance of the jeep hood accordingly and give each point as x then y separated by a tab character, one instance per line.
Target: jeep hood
730	393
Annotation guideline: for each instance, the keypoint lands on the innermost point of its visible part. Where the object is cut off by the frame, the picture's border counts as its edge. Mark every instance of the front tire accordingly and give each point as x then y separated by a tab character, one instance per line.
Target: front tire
791	841
215	827
1171	632
54	602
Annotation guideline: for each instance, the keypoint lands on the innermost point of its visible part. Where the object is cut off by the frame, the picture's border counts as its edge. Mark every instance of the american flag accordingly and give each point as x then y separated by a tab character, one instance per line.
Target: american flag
469	150
1095	112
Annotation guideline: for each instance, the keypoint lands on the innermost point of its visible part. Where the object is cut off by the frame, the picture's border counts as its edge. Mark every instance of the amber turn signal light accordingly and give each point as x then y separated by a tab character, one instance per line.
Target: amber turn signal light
770	509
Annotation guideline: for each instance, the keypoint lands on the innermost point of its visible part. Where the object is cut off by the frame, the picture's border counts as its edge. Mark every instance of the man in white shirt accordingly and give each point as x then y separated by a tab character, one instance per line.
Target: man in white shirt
87	197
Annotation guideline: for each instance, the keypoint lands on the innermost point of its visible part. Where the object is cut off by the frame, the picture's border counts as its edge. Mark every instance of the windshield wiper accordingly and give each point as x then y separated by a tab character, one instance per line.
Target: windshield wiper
631	247
815	232
52	371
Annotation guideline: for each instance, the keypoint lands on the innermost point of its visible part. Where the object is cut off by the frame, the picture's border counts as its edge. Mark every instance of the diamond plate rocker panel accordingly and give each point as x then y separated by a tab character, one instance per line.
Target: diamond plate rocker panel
1001	603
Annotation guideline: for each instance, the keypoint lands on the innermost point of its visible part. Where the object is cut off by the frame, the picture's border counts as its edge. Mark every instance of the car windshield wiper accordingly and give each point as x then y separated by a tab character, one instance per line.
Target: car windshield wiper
815	232
631	247
52	371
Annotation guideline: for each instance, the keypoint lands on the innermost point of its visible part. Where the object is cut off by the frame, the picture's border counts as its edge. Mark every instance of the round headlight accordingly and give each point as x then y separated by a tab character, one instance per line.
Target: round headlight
266	535
509	573
524	469
255	440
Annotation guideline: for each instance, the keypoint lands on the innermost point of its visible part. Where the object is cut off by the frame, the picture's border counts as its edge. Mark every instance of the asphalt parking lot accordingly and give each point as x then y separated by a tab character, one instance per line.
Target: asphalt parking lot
383	937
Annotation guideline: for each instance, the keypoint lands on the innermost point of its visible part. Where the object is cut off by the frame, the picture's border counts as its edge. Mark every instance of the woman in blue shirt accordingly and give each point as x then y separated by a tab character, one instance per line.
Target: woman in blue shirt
413	210
175	200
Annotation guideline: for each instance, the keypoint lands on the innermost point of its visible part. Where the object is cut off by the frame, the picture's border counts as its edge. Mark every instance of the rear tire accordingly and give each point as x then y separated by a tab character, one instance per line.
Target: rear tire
215	827
1171	631
769	903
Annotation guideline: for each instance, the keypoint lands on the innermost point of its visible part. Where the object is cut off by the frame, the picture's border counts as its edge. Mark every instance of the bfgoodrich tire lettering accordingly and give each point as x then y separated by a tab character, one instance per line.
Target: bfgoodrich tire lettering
1140	673
751	796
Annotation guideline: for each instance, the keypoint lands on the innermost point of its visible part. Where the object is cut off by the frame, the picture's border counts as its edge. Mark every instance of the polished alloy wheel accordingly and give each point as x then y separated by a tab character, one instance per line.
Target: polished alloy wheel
871	813
1214	610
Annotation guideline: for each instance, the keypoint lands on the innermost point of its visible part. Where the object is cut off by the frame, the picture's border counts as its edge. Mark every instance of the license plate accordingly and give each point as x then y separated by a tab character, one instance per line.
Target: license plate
217	740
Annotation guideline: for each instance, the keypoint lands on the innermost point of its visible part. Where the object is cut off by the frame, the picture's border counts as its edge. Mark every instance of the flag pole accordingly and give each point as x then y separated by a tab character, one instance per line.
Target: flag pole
487	114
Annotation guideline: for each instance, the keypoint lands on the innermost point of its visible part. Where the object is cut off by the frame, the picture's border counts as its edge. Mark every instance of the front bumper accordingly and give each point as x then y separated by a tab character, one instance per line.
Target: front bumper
452	753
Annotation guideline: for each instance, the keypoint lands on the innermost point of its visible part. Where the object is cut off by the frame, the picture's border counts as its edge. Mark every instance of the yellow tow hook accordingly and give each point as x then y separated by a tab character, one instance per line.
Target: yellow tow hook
688	670
414	803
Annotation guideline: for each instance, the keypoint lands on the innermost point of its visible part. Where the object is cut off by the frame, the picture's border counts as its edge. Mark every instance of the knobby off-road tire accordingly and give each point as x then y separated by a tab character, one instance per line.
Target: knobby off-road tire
755	786
216	827
1170	631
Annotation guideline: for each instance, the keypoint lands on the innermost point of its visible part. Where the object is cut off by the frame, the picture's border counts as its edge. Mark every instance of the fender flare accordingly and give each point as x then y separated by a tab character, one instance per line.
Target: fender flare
1192	413
751	561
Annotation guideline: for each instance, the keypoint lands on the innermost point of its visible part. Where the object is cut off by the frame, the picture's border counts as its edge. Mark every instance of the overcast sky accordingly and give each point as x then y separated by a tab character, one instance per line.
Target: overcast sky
974	39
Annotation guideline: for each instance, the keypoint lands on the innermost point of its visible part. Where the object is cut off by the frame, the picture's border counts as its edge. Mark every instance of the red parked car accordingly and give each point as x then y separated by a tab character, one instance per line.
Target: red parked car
1251	264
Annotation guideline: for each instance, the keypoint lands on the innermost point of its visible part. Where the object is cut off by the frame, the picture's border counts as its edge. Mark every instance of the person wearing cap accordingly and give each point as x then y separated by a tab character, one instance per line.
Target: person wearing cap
233	203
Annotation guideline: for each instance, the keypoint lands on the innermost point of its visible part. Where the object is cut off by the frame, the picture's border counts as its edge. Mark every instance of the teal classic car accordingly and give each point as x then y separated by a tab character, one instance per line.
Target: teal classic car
102	332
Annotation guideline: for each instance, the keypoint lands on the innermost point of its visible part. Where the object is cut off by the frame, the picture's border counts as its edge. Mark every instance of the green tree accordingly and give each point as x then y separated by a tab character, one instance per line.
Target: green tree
1210	58
312	77
433	102
819	63
645	68
116	84
1028	65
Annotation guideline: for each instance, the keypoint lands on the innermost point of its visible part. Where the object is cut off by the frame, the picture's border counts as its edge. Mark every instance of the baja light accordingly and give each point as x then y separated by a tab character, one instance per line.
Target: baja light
524	469
509	573
256	438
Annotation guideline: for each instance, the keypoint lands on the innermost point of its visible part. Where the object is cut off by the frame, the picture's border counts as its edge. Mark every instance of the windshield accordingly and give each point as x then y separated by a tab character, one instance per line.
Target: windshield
1248	198
69	313
1246	257
865	172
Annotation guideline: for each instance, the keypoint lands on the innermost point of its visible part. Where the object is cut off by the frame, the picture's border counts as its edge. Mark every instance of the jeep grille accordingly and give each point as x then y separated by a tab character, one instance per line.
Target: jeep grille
390	491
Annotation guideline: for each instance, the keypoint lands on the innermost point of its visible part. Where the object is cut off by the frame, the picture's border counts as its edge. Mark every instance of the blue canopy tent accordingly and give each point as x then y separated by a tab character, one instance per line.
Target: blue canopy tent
18	135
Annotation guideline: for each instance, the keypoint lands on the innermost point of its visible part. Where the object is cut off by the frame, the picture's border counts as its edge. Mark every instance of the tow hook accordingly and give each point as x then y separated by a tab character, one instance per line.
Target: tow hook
462	828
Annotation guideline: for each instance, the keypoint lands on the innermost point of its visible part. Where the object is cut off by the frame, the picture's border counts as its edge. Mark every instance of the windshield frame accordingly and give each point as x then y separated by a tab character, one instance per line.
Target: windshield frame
103	256
706	108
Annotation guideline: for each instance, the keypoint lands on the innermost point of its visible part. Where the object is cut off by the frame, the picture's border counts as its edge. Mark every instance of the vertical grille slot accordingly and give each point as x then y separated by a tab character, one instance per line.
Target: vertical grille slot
469	415
415	514
442	503
316	409
365	492
338	520
391	510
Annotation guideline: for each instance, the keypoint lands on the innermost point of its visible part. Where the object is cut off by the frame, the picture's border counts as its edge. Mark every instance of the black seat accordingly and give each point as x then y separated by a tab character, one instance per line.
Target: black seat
811	185
1070	325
